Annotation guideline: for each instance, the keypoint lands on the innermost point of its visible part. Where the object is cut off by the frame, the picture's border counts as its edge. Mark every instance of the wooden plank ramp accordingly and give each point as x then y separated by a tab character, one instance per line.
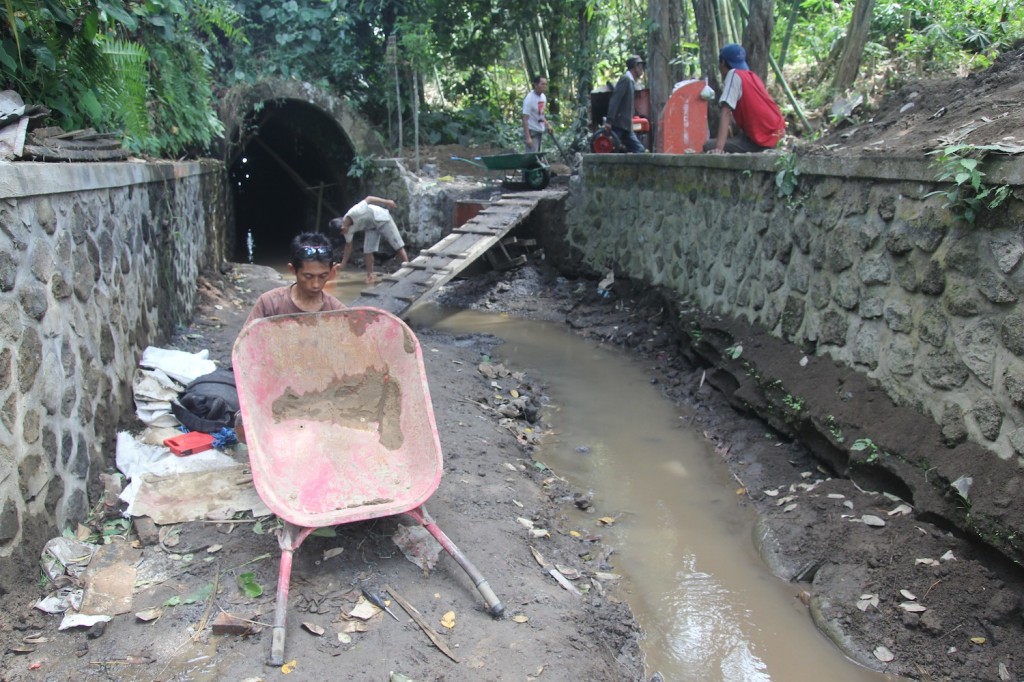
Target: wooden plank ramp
442	262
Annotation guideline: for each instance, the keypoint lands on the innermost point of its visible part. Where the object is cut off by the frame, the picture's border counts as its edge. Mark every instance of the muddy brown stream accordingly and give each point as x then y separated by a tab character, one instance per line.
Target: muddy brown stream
709	606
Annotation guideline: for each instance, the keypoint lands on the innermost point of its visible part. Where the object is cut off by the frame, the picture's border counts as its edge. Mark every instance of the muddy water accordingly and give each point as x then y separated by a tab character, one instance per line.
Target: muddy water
710	608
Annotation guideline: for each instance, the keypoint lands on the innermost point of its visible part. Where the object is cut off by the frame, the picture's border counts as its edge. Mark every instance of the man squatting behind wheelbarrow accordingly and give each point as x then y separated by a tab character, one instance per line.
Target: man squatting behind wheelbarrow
371	216
312	262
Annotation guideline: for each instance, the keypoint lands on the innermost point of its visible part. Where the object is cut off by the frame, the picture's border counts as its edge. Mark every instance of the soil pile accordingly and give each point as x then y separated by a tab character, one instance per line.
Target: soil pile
922	116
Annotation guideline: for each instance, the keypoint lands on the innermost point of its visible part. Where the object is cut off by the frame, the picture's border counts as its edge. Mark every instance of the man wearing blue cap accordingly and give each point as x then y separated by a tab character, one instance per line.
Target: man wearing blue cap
746	101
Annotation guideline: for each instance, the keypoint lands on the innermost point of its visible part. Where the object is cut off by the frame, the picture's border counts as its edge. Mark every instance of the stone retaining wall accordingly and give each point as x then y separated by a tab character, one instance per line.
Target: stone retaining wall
857	264
97	261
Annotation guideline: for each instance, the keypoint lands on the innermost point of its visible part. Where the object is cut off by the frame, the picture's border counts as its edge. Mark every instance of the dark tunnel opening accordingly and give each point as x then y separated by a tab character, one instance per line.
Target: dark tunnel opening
288	176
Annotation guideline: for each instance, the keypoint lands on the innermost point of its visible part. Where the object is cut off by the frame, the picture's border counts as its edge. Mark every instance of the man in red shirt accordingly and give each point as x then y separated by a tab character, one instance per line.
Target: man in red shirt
745	101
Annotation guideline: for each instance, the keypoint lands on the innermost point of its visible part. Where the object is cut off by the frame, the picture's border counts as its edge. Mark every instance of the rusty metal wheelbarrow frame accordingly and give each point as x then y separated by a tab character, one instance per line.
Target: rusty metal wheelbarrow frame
340	428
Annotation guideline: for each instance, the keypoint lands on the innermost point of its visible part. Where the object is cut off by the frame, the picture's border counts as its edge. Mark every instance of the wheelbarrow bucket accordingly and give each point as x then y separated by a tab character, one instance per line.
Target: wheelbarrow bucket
340	428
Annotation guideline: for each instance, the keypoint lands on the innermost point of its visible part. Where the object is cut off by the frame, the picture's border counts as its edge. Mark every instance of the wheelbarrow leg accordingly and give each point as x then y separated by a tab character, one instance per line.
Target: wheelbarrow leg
288	538
494	605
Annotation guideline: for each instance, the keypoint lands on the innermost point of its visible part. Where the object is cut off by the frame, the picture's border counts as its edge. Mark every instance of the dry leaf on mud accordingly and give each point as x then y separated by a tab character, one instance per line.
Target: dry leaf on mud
948	556
540	533
771	493
314	628
901	510
790	507
913	607
926	562
978	640
872	520
448	620
606	520
883	654
907	594
836	496
149	614
867	600
525	523
519	618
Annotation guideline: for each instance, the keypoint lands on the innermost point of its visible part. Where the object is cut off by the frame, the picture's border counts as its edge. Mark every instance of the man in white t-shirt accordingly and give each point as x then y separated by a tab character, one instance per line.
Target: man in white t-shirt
371	217
534	120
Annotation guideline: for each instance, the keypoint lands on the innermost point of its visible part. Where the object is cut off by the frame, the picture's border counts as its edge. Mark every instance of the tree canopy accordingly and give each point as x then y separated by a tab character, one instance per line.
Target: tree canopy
152	69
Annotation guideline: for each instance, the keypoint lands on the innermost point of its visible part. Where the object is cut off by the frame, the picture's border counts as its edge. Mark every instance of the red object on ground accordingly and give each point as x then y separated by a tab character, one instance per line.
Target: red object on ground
683	126
189	443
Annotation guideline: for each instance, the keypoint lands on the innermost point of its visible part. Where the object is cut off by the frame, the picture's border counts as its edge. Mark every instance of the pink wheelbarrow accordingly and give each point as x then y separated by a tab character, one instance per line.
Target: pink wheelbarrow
340	428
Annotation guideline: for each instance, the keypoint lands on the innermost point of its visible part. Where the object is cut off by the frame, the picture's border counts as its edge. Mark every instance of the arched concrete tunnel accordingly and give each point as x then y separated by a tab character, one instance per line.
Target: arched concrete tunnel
288	163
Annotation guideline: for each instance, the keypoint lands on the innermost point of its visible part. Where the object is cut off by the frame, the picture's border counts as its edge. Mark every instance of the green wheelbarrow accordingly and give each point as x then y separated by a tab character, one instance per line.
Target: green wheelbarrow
528	168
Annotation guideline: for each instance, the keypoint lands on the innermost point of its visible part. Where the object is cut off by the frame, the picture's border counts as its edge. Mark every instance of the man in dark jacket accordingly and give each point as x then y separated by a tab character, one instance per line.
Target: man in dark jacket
745	101
620	107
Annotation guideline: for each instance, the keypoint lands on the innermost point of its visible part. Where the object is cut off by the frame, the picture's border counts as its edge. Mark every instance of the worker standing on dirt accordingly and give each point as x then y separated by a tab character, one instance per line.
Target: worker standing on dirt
535	123
372	217
746	101
620	107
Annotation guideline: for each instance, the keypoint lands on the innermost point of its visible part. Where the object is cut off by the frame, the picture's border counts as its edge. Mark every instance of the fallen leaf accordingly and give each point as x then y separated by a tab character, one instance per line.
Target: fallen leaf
333	552
350	626
149	614
978	640
575	534
540	533
289	667
526	523
606	520
790	507
836	496
926	562
448	620
872	520
948	556
883	654
913	607
901	510
344	638
214	548
771	493
514	393
510	466
519	618
907	594
314	628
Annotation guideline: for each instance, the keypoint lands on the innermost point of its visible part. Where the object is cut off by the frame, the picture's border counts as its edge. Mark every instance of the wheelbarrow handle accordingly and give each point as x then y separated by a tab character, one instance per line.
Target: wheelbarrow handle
494	605
478	165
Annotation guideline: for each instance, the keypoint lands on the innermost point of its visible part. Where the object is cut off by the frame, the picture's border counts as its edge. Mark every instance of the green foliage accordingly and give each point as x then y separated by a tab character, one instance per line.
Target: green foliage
137	69
867	445
969	195
793	403
787	175
362	167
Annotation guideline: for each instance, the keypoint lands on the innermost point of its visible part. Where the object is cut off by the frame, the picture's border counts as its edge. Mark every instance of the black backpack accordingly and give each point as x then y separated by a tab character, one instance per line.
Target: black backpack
209	403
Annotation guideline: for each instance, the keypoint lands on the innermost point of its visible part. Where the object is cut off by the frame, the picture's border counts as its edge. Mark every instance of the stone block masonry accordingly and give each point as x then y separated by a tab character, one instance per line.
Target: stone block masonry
97	261
857	264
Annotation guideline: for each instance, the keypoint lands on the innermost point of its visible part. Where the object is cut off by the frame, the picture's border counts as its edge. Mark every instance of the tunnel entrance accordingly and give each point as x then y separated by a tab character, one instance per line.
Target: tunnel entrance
288	174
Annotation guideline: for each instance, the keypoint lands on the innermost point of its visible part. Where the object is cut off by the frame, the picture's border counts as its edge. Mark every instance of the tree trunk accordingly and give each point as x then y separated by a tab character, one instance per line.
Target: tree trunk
794	13
707	38
853	47
664	17
757	38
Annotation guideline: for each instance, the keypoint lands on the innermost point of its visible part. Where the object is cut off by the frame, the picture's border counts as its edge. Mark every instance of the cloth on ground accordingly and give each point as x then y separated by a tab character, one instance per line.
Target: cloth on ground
209	403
